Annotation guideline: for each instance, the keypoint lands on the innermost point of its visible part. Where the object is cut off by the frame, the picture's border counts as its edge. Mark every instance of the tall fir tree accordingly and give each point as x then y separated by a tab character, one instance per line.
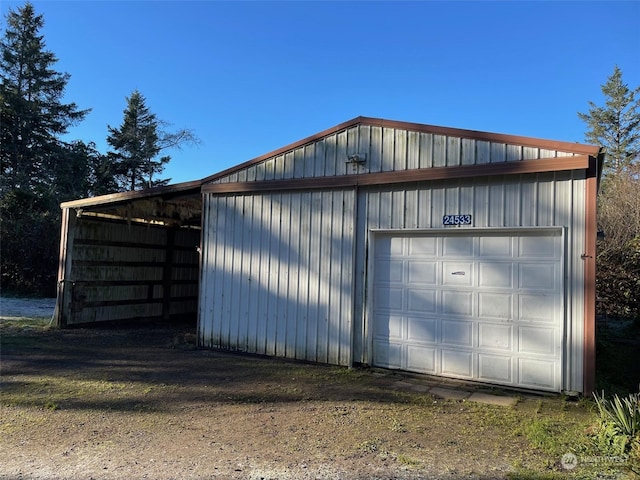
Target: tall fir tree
33	115
38	169
616	125
137	145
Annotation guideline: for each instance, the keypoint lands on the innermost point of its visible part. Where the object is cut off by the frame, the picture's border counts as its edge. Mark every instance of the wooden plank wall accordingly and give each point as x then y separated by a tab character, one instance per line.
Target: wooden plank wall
123	271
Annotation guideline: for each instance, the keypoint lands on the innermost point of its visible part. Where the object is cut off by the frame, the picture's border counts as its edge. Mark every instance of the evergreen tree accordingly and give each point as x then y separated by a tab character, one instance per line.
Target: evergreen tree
38	170
33	115
616	125
84	172
136	145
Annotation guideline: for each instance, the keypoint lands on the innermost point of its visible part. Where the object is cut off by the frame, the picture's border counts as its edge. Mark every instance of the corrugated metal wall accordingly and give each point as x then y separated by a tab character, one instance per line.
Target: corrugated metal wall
122	271
387	149
267	279
537	200
277	274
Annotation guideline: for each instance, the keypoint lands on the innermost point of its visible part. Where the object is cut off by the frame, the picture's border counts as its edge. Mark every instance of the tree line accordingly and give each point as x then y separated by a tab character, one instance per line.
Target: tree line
616	126
40	170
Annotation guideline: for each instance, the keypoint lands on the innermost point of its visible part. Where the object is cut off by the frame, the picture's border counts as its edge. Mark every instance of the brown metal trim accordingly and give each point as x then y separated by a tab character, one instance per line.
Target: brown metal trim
193	187
563	146
178	188
487	136
578	162
589	256
291	146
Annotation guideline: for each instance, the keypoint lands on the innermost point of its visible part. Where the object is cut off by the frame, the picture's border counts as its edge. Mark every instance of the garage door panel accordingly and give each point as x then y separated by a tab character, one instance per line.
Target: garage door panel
389	246
536	340
495	337
495	275
422	300
480	305
495	368
496	247
457	303
539	276
423	246
457	333
388	354
539	308
495	305
457	363
457	246
389	271
422	329
423	272
421	359
457	273
537	373
389	298
388	327
539	246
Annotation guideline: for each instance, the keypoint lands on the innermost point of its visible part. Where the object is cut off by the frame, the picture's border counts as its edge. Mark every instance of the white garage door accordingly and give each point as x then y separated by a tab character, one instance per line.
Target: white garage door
479	306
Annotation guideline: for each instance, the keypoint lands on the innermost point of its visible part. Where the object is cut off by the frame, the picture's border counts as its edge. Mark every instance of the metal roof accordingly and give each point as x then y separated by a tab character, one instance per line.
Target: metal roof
180	203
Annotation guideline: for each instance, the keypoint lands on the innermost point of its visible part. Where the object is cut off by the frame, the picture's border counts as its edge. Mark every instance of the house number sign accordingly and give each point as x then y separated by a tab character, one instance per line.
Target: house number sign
456	220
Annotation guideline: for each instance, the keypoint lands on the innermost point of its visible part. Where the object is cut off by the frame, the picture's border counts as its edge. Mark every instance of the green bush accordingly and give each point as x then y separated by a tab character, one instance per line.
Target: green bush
29	242
619	431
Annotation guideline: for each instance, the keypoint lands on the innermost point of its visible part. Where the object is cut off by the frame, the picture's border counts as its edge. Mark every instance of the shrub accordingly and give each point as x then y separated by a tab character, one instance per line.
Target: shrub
618	280
619	431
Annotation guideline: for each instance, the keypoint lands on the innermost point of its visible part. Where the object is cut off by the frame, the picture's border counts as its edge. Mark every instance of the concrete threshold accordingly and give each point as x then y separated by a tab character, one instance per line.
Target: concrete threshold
457	394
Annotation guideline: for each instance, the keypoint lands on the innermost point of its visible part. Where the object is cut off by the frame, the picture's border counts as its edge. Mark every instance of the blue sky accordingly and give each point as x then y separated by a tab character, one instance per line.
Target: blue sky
250	77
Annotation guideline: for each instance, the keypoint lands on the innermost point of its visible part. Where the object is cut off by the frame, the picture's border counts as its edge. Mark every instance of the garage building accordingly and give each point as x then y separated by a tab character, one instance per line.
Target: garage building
442	251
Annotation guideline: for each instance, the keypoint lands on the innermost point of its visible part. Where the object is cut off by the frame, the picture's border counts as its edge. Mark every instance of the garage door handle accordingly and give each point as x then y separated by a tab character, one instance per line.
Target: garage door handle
458	273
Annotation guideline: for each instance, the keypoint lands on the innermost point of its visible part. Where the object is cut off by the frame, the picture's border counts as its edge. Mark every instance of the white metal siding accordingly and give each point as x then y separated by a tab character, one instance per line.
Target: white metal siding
387	149
531	200
536	200
277	274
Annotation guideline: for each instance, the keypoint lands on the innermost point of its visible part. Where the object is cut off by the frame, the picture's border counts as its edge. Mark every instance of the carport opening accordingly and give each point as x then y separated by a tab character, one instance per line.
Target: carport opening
130	263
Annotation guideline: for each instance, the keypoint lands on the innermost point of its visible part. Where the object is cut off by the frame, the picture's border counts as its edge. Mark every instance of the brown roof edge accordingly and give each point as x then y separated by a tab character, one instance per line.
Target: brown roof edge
600	164
564	146
573	147
456	132
176	188
286	148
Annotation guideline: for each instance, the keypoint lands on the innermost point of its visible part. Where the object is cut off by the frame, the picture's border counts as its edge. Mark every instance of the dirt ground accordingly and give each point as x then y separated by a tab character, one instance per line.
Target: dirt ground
145	403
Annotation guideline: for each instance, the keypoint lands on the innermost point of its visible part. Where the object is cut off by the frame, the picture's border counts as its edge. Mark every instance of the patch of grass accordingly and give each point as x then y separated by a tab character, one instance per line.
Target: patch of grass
24	322
552	436
369	446
408	461
397	426
359	414
17	332
53	392
527	474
